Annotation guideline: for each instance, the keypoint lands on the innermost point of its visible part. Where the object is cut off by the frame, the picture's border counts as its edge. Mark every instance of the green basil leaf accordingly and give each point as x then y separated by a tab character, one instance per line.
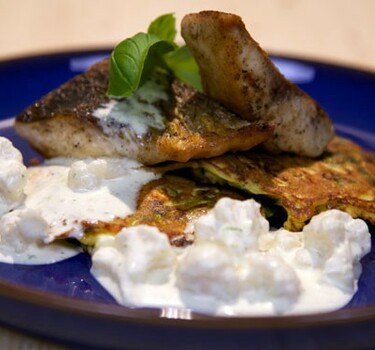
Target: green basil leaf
183	65
164	27
132	62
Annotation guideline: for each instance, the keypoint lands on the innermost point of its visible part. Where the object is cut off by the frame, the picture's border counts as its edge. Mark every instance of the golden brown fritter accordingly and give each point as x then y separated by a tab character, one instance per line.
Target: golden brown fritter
170	204
342	178
236	72
65	123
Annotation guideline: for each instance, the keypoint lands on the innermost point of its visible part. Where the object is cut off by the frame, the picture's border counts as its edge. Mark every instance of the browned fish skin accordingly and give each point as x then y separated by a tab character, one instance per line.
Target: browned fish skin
169	203
201	128
342	178
239	74
62	124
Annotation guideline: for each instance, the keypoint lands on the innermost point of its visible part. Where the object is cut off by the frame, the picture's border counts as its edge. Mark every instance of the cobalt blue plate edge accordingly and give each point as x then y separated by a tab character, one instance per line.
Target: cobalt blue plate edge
62	303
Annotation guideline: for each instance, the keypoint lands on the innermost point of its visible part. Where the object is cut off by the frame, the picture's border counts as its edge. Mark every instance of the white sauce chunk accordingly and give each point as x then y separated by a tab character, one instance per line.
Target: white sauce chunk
12	176
142	262
237	265
23	233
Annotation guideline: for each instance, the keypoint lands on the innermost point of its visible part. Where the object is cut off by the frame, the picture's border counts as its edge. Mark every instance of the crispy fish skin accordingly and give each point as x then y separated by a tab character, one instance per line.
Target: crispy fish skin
342	178
64	123
170	204
239	74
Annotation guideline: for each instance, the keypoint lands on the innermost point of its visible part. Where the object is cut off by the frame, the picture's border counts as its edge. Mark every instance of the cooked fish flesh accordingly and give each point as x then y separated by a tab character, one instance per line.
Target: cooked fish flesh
162	121
236	72
170	204
342	178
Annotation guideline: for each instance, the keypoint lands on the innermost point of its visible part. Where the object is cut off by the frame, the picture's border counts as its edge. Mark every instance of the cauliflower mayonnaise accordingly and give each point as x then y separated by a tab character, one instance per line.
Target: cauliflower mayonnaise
44	203
237	265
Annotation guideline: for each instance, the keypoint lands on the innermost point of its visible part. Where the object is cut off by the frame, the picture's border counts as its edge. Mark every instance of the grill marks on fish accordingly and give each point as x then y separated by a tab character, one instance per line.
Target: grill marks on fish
63	123
236	72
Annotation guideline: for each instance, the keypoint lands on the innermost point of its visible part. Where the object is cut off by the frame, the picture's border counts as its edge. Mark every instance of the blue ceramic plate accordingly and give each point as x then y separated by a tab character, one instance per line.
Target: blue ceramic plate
63	302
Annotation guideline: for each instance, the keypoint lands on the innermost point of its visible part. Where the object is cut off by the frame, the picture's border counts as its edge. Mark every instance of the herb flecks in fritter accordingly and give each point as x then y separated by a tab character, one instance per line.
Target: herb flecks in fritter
342	178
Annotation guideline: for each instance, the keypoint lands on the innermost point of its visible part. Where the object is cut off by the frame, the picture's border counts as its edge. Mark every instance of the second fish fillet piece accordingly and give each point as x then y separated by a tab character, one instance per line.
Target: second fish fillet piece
238	73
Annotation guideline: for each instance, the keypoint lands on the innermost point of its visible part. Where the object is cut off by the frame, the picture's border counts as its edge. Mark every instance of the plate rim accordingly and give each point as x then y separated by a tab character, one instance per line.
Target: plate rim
152	316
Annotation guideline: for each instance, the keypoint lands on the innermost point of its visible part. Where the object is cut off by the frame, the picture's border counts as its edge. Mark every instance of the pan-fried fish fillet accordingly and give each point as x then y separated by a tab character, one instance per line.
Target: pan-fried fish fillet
169	203
239	74
161	121
342	178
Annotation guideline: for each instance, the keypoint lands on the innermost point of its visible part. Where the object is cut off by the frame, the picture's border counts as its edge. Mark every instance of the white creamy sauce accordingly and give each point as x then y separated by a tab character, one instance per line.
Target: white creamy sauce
88	190
53	200
138	112
237	265
23	233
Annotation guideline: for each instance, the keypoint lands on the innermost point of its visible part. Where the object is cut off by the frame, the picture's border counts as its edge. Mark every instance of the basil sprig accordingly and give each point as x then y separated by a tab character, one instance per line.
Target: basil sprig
134	60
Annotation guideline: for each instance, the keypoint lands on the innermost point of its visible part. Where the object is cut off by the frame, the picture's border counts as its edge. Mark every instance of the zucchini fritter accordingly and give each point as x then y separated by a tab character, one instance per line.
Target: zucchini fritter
170	204
342	178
